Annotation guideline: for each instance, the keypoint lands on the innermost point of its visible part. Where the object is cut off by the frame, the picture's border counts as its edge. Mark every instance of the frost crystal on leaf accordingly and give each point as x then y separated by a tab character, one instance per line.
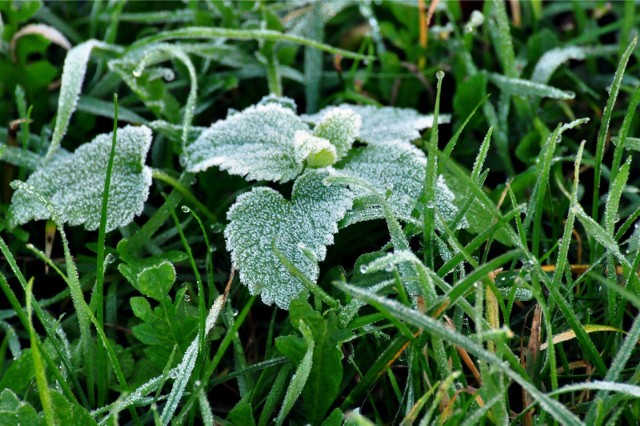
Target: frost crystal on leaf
340	126
257	143
74	184
387	123
300	229
399	169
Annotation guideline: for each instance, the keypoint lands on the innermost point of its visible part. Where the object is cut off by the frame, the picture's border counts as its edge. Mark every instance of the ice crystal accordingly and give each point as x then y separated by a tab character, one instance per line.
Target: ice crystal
257	143
385	124
300	229
74	184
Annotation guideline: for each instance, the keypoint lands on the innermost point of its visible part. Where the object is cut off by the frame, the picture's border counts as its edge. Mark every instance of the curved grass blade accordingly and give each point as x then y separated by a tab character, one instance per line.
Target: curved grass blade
73	72
238	34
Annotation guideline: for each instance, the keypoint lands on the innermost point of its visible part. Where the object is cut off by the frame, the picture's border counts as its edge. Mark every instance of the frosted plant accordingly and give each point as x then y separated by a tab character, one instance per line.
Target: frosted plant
385	124
300	230
74	184
273	240
257	143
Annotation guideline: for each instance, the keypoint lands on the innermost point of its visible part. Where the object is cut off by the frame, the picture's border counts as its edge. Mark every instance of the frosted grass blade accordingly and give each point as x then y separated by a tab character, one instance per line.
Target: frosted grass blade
73	72
188	363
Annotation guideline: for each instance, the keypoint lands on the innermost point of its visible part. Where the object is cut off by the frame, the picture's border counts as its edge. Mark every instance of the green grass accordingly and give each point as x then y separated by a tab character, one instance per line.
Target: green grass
520	306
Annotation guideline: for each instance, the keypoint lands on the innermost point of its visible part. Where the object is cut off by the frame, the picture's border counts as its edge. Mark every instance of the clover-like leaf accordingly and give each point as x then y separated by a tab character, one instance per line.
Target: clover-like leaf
74	184
399	169
385	124
300	229
257	143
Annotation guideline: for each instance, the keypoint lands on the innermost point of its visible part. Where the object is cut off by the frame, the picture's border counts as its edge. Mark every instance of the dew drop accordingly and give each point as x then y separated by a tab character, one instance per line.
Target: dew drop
109	258
363	269
137	73
187	298
528	265
185	209
234	311
389	268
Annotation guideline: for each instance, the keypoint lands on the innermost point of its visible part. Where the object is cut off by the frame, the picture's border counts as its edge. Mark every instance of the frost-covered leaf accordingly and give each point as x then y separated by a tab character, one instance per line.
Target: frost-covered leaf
73	71
317	151
387	123
74	184
300	229
398	169
257	143
340	126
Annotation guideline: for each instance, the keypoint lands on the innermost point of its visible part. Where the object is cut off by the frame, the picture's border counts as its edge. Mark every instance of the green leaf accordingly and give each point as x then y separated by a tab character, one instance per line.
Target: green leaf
257	143
19	373
385	124
75	183
153	281
300	377
300	229
242	414
13	411
325	378
70	413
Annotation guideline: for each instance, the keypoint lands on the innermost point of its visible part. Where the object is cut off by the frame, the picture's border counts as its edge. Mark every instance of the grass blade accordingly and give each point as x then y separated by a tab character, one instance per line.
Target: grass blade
188	363
604	128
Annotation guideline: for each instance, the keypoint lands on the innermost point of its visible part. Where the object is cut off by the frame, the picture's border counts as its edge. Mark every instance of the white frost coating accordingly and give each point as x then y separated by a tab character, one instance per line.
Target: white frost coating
318	152
552	59
73	71
185	368
387	123
400	168
256	143
262	217
388	262
341	127
521	87
74	184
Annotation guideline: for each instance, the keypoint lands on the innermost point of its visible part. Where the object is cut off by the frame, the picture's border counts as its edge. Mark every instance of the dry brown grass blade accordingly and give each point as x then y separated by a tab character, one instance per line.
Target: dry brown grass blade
529	359
465	356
